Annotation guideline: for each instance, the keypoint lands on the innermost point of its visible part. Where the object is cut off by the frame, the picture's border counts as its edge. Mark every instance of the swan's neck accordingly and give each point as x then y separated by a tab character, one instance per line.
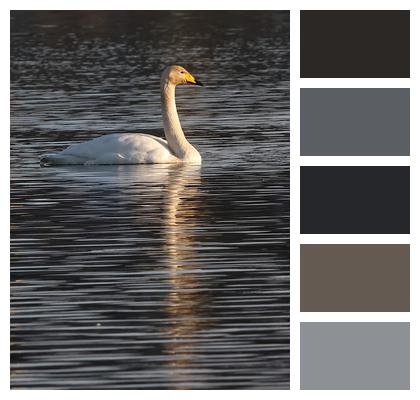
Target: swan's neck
173	131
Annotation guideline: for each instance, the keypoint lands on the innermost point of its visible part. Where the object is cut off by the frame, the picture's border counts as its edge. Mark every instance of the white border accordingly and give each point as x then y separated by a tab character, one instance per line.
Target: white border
294	6
294	199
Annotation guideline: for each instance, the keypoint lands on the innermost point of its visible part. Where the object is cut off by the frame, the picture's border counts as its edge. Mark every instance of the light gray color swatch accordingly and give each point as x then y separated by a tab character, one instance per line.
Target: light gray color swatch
355	122
355	355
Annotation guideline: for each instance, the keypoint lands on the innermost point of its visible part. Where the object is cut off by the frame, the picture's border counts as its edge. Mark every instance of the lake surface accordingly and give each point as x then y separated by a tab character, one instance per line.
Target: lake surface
142	276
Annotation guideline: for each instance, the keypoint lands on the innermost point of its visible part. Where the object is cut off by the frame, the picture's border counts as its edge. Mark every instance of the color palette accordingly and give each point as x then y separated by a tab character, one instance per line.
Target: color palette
355	355
355	122
355	44
361	203
355	278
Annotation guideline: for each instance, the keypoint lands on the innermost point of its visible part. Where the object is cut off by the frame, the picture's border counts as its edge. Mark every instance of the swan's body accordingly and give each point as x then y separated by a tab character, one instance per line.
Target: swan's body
139	148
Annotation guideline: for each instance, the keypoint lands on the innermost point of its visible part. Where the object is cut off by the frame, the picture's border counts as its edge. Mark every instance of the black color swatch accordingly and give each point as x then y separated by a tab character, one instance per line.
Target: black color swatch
355	44
355	200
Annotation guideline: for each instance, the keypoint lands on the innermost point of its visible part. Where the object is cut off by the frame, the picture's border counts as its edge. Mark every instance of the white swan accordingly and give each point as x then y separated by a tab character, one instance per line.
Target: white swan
139	148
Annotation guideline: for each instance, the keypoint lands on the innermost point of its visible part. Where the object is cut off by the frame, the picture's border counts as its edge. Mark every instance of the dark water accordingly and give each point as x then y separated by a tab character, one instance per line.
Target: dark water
150	277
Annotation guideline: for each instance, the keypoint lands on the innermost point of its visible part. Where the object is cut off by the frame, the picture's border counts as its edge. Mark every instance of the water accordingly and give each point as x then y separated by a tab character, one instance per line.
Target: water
150	277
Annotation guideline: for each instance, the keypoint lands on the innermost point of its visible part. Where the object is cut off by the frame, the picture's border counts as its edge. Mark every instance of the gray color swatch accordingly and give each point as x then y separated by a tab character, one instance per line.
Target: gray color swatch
355	122
355	277
355	355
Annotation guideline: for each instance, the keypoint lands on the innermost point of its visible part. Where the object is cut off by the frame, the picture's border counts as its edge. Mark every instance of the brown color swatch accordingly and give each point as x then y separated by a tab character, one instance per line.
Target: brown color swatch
352	278
354	43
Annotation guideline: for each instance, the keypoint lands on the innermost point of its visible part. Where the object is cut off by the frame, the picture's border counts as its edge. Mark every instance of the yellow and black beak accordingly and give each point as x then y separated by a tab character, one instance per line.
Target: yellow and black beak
192	80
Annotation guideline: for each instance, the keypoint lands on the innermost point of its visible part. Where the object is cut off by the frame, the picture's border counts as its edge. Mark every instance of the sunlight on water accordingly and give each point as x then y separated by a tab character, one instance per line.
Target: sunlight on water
141	276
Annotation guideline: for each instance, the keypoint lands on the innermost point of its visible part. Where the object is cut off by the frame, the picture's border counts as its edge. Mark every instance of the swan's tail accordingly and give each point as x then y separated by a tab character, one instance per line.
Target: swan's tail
58	159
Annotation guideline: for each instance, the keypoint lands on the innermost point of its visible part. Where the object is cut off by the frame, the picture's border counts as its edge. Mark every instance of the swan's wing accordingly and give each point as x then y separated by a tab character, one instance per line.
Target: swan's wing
124	148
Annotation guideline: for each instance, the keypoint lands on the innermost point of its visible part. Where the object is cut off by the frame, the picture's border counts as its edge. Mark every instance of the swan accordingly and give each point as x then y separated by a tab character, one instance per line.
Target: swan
138	148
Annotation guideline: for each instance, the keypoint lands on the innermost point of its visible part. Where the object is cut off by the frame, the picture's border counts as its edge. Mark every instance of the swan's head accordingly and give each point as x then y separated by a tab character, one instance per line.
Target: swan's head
178	75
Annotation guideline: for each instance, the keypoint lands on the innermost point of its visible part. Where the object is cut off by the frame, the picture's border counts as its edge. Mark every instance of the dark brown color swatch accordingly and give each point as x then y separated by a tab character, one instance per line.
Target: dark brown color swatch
353	278
355	44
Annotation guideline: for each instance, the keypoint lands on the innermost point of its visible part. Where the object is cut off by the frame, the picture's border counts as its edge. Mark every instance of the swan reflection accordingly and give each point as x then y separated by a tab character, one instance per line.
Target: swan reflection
165	202
188	302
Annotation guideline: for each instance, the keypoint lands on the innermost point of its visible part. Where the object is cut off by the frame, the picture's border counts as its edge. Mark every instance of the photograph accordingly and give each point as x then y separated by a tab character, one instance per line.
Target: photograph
149	200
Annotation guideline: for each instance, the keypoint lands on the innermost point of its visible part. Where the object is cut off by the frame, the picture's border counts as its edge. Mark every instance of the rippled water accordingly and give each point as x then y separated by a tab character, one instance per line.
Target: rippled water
150	277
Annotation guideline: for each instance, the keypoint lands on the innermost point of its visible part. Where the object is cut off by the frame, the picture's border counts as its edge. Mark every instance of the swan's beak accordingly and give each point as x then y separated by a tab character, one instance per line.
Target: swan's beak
190	79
